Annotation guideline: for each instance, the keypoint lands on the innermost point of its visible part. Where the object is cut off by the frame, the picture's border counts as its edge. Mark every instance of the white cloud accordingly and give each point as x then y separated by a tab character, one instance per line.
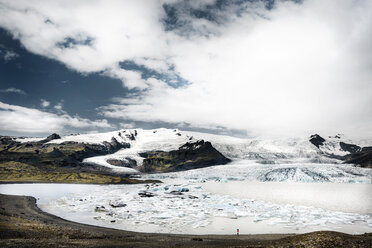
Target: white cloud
7	54
18	119
59	106
10	55
300	69
13	90
128	125
132	26
44	103
130	79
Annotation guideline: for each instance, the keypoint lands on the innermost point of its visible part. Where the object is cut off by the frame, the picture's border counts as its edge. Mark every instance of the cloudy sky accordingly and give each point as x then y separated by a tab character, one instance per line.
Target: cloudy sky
255	68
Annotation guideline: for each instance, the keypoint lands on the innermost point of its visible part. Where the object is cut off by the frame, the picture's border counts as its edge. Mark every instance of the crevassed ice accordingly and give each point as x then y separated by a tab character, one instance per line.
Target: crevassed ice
296	171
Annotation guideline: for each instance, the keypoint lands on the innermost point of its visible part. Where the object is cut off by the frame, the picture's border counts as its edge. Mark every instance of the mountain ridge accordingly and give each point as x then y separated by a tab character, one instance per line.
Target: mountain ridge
134	151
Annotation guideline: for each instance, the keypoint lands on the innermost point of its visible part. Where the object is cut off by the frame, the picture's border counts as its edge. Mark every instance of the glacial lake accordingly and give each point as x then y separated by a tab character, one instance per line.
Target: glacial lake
220	200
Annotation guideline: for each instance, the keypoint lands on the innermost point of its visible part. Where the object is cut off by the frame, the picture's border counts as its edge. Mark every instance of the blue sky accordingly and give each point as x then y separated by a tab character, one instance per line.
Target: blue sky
256	68
38	82
43	78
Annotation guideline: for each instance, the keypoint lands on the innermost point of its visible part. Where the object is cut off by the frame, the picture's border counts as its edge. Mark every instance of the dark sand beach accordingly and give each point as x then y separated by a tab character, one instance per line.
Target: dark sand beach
23	224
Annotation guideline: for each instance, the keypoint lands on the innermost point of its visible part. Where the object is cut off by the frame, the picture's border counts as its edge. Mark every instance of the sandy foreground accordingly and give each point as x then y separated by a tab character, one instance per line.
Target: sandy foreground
23	224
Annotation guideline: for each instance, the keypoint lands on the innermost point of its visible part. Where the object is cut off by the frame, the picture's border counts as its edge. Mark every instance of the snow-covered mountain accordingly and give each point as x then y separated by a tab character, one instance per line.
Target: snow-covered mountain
264	151
171	139
334	145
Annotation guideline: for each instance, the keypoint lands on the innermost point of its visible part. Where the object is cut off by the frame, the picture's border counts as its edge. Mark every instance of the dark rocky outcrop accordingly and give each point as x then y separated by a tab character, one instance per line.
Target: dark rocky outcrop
362	158
100	209
130	136
114	145
146	194
127	162
317	140
189	156
351	148
118	205
56	152
50	138
7	140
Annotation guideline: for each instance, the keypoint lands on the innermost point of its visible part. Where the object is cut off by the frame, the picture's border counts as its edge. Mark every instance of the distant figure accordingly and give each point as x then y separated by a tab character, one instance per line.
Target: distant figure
237	232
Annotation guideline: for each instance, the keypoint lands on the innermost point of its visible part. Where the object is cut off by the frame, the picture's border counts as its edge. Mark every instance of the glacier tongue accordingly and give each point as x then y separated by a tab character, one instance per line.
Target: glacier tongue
296	171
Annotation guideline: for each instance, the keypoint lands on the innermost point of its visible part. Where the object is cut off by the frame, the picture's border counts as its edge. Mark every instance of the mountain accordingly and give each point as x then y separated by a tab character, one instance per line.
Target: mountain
40	161
167	140
132	151
333	146
362	157
192	155
109	156
336	147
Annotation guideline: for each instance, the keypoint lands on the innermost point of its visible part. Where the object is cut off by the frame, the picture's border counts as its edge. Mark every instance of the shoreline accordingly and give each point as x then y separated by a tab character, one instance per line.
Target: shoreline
23	224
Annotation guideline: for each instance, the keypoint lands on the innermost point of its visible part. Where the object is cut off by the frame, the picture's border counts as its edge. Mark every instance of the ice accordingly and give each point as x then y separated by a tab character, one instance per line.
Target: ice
102	161
28	139
296	171
175	213
304	197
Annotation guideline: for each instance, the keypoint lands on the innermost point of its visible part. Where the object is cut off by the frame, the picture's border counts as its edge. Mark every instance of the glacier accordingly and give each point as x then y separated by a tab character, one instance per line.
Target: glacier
263	151
286	171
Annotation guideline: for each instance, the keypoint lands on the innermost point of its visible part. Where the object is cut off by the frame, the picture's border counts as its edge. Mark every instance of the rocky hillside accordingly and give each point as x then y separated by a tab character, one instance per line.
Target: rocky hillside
56	158
66	154
192	155
124	152
362	157
41	161
349	153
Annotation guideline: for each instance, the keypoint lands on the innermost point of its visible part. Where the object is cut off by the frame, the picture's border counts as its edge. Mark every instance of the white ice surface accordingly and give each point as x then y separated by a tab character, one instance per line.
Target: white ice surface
196	210
26	139
346	197
289	171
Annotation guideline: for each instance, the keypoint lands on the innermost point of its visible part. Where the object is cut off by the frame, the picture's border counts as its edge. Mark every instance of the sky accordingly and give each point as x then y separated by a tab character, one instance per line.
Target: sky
254	68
